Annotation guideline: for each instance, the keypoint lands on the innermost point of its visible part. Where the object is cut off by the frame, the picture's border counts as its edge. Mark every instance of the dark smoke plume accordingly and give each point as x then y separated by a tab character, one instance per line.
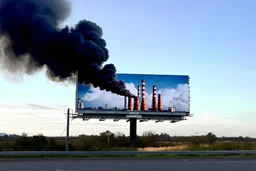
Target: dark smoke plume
32	37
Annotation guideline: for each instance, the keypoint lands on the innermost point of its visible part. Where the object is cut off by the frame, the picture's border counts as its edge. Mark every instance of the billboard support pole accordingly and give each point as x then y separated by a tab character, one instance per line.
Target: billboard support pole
67	137
133	132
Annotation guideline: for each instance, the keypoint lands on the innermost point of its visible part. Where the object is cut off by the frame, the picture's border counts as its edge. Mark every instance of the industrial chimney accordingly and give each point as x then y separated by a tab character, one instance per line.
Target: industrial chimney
138	103
138	99
160	105
135	103
138	91
143	103
154	103
130	103
125	102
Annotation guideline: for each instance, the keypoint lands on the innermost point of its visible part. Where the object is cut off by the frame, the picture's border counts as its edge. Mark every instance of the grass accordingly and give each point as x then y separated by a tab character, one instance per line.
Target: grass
203	147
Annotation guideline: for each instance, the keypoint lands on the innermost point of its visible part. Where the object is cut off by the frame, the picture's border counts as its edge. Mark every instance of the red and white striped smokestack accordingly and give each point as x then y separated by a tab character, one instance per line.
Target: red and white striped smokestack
160	105
138	91
138	99
154	103
138	103
143	102
130	103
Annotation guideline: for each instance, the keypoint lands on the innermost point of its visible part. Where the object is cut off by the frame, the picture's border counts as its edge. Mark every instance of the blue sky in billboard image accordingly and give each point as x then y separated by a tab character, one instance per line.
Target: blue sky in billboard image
174	90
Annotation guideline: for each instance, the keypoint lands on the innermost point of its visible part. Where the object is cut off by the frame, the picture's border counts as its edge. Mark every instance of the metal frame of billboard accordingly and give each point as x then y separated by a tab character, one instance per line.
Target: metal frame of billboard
87	114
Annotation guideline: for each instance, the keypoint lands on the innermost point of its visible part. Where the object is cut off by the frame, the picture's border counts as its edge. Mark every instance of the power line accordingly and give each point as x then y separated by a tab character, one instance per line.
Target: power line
63	131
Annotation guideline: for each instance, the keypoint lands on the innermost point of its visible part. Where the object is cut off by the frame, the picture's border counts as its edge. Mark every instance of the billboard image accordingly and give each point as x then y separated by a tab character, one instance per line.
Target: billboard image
149	93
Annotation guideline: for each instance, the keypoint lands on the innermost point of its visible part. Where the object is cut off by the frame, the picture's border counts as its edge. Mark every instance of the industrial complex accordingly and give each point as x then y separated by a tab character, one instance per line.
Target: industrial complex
136	103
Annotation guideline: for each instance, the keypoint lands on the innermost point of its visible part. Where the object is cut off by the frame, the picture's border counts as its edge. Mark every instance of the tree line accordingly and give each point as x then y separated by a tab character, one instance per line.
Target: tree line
109	141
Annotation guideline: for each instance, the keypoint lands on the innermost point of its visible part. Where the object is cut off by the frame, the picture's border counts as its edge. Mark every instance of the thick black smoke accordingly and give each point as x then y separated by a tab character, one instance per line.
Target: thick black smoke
31	29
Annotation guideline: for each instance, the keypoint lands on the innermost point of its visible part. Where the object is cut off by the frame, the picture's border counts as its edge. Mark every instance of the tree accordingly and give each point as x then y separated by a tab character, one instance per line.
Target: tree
24	135
52	145
148	133
106	136
195	140
211	138
39	142
119	134
164	137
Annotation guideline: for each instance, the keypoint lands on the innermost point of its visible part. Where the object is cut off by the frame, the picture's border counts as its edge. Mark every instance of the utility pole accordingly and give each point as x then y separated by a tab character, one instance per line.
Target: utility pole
67	137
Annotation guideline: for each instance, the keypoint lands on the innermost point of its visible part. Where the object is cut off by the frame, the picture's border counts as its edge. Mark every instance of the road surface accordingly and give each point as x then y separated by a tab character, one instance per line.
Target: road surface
129	165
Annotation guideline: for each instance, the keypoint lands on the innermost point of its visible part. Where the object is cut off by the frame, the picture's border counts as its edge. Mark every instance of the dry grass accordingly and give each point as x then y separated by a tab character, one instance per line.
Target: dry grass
169	148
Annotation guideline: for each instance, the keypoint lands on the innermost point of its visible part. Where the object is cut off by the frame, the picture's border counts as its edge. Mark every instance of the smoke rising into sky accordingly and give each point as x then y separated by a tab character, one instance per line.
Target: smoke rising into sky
31	39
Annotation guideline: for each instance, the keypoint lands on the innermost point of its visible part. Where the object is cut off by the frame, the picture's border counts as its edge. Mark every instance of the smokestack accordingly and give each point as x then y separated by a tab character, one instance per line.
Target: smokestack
138	92
154	103
130	103
135	103
31	27
125	102
138	99
106	106
143	103
160	106
138	103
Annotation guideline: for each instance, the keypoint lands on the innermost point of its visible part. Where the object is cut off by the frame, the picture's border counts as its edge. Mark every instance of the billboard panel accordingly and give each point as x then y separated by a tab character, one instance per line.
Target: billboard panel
150	93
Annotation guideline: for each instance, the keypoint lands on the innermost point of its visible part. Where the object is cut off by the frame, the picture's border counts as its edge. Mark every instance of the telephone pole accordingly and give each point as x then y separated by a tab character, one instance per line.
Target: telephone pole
67	137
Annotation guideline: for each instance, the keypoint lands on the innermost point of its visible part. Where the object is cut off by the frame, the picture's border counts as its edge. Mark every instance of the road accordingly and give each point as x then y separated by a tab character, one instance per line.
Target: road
129	165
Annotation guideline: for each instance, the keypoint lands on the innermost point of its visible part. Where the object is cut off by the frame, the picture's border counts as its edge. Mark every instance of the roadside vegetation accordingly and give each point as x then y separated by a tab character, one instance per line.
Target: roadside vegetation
107	140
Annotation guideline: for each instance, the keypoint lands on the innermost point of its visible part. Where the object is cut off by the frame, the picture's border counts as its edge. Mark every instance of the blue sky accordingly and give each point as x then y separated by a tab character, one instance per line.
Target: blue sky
161	81
211	41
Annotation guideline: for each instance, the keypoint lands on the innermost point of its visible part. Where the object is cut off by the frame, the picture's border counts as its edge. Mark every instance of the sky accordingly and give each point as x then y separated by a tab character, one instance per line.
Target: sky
173	89
211	41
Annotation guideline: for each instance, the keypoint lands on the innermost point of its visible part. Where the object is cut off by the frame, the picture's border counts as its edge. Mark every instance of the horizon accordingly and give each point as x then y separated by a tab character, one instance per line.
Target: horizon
212	42
115	133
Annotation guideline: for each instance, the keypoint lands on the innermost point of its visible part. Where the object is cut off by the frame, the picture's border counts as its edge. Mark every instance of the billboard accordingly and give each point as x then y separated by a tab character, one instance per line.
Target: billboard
150	93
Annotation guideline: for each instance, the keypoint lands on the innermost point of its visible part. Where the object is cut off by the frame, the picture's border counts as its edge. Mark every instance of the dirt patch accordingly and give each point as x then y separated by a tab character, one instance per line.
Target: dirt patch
169	148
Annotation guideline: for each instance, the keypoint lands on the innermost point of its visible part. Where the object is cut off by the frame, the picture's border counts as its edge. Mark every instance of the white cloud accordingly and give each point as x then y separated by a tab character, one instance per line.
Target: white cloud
177	97
171	97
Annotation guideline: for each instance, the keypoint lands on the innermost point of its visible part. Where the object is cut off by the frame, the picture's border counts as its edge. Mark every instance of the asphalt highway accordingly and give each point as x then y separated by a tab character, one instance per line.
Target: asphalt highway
129	165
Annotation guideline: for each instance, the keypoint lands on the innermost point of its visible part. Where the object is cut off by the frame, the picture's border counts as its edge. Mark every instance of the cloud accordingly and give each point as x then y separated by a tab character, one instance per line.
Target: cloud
177	97
31	106
8	106
171	97
62	106
228	118
40	107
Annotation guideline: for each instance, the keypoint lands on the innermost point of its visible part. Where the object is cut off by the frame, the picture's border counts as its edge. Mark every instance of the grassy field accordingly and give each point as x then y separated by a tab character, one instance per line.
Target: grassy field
78	145
164	146
216	146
